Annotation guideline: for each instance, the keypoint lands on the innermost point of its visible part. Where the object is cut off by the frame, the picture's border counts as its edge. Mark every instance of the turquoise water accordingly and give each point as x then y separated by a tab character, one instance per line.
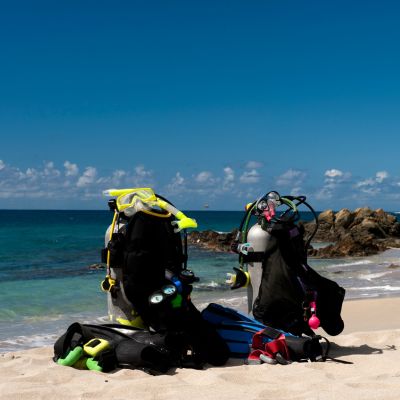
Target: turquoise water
47	284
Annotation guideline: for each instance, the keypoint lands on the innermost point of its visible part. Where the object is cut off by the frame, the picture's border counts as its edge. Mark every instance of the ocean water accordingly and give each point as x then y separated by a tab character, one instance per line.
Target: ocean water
47	284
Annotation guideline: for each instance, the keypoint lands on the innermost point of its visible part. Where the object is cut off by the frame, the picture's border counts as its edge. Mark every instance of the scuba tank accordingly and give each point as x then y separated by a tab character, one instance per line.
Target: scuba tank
120	309
258	240
252	244
144	253
283	290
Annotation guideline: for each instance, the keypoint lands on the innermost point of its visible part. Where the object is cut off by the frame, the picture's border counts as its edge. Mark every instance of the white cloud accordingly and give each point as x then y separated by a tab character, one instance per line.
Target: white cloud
336	177
49	181
336	185
50	170
373	186
71	169
291	177
32	174
143	177
251	176
324	194
117	179
118	174
229	174
179	179
229	178
176	185
254	164
88	177
366	182
296	191
381	176
371	190
142	172
204	177
333	173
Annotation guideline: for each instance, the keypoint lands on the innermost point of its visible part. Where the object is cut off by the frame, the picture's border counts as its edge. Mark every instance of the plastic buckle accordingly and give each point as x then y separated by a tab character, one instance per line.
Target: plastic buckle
245	248
108	284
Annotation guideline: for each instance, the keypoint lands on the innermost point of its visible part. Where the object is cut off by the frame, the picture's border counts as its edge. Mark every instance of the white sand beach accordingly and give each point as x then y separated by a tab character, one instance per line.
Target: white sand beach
370	342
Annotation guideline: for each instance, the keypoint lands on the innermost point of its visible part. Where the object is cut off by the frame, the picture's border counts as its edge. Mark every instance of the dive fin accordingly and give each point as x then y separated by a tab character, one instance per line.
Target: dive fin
235	328
215	313
238	329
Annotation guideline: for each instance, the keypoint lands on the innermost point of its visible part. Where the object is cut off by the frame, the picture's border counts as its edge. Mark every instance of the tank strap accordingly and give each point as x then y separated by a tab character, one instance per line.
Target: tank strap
257	256
254	256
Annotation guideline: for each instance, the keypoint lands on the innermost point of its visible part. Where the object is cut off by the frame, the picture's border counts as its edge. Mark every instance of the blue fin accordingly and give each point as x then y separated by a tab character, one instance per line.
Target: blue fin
236	328
215	313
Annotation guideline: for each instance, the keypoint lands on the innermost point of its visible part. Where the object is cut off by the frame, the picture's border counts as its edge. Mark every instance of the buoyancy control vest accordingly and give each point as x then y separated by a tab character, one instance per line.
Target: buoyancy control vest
283	290
146	260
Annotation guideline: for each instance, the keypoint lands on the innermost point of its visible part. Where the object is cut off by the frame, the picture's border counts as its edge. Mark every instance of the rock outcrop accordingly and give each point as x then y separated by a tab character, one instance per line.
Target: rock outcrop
361	232
212	240
355	233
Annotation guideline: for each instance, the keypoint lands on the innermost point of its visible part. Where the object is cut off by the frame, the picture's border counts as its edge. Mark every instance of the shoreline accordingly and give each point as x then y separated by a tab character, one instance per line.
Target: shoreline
366	315
369	305
369	344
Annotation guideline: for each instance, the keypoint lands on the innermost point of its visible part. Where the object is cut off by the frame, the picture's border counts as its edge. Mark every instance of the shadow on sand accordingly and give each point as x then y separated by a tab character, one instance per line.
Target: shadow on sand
364	349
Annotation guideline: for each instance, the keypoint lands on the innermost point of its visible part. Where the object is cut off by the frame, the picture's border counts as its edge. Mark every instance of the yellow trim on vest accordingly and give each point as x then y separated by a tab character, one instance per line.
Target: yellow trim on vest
137	322
111	233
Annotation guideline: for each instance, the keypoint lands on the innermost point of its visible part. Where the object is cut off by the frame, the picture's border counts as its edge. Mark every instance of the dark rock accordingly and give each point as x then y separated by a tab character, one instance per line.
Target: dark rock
362	232
212	240
359	233
343	219
326	229
350	246
97	266
326	218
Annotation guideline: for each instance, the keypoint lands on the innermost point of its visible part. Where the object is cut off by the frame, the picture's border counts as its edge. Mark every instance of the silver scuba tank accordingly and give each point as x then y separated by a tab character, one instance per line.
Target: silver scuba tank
120	309
258	239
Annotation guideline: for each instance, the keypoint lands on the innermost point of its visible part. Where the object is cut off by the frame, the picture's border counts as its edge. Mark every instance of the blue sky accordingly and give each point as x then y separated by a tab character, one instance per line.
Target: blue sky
206	101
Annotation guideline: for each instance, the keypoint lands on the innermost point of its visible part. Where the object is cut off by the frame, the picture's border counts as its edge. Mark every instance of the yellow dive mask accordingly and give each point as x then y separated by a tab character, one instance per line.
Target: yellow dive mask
144	199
